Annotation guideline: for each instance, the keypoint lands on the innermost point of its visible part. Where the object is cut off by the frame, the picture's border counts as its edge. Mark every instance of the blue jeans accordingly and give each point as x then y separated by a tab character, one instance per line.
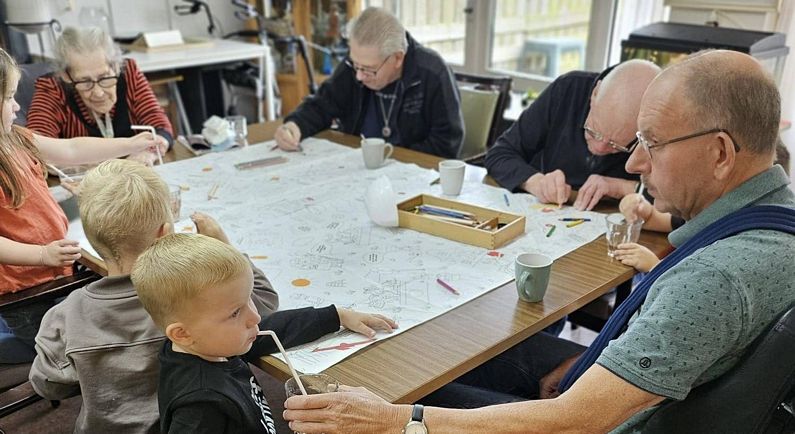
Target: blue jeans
18	329
509	377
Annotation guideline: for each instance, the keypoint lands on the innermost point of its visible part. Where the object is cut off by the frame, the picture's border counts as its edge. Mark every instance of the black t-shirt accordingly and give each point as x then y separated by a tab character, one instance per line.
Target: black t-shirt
198	396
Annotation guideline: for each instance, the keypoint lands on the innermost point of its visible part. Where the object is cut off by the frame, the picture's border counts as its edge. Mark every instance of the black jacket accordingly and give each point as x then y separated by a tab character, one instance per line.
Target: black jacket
549	135
428	107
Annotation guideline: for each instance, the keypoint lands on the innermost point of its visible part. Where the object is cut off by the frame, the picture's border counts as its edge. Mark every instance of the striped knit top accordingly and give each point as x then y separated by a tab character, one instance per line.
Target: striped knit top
51	115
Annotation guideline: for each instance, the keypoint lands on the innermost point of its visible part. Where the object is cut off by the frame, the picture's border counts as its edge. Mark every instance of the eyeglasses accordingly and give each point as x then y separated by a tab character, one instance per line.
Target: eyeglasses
367	72
648	147
86	85
599	137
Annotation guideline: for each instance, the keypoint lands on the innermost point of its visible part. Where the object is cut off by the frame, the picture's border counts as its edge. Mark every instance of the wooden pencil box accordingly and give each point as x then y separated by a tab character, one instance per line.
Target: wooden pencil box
495	227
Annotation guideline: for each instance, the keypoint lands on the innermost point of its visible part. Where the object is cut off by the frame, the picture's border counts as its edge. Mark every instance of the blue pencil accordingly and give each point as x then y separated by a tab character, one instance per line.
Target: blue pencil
444	212
505	196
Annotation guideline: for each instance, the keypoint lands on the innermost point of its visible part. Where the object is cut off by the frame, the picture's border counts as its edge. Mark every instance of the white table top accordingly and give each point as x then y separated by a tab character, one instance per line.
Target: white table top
218	51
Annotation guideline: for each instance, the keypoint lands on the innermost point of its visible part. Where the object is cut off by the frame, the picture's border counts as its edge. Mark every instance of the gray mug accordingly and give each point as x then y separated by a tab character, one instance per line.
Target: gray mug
532	276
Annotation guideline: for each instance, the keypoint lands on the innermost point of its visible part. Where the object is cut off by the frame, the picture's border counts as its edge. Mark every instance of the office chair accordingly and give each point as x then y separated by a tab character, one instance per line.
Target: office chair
755	396
483	102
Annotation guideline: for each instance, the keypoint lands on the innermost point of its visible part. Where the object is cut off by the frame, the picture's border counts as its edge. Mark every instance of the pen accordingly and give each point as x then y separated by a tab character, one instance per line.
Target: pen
573	224
505	196
573	219
447	287
551	231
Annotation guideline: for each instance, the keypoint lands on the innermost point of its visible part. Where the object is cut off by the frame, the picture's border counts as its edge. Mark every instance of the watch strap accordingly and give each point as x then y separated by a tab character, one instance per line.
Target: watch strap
416	412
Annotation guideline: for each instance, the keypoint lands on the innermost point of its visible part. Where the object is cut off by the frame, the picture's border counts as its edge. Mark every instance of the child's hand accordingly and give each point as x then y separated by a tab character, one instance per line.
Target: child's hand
207	225
364	323
634	206
162	143
144	157
60	253
71	186
637	256
141	142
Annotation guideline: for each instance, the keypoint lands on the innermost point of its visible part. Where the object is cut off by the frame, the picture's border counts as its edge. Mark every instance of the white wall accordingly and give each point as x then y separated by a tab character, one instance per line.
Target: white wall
129	17
787	25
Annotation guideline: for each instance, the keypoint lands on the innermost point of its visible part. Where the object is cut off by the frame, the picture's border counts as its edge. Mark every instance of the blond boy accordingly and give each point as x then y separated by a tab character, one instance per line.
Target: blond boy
203	303
100	342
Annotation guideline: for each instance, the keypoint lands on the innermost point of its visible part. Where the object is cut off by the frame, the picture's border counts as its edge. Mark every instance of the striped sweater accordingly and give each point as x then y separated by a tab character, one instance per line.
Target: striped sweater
50	115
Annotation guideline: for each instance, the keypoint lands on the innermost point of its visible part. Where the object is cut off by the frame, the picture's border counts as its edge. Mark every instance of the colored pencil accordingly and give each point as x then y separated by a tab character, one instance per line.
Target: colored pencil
505	196
455	211
447	287
573	224
212	192
573	219
551	230
459	221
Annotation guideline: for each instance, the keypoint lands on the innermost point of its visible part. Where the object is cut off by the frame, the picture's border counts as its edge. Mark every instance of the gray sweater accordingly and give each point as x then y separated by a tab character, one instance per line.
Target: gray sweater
102	343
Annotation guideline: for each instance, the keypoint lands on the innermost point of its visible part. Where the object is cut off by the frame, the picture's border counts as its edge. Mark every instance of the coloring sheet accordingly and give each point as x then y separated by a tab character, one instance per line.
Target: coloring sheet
303	222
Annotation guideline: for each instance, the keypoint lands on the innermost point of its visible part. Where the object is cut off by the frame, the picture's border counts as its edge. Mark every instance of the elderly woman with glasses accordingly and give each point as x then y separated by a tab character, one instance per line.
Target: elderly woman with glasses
391	87
96	93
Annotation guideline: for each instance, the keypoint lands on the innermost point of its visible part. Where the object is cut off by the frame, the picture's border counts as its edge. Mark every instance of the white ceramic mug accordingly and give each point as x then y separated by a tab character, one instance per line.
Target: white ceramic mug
451	174
373	152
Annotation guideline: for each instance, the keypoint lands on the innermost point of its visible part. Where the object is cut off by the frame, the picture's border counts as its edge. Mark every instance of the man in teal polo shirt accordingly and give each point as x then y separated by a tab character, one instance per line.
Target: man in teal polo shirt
706	144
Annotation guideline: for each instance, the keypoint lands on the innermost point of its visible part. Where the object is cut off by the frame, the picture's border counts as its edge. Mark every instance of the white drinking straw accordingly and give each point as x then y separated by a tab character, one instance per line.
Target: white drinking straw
286	359
60	173
151	130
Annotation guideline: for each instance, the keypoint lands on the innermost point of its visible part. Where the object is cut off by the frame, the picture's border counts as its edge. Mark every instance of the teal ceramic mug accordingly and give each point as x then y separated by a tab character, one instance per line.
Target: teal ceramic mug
532	276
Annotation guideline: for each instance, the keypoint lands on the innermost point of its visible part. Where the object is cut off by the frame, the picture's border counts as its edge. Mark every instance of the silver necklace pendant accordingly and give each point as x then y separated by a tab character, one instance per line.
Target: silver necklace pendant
386	132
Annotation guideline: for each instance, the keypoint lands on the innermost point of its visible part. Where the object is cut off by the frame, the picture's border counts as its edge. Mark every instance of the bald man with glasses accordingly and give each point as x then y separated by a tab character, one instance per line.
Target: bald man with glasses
576	135
390	87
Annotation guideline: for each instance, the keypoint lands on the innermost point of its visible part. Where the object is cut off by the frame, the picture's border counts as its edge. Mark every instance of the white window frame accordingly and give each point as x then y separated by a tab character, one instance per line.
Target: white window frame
477	43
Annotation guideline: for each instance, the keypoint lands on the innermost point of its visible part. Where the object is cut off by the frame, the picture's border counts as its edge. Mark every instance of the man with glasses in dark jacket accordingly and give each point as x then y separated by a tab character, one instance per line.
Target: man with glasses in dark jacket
575	136
390	87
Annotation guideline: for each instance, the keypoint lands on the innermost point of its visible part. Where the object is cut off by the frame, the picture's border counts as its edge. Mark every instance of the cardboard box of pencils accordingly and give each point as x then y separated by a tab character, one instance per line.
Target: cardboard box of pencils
460	221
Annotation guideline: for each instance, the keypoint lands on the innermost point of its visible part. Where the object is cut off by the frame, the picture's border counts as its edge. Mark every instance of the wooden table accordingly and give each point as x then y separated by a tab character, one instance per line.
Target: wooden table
413	364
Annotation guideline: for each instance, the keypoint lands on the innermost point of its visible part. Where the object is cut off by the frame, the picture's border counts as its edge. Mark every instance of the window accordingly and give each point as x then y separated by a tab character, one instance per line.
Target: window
540	37
534	41
439	25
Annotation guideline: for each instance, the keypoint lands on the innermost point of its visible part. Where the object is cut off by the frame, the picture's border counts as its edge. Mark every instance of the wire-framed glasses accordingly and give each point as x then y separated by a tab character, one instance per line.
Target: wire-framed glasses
599	137
368	72
649	146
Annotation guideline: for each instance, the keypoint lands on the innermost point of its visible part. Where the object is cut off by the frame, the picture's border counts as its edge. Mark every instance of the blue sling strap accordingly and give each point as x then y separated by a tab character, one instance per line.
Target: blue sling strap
777	218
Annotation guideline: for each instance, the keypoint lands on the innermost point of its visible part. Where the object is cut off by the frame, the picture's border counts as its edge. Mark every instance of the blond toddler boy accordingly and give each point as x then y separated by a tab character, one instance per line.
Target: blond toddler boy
203	304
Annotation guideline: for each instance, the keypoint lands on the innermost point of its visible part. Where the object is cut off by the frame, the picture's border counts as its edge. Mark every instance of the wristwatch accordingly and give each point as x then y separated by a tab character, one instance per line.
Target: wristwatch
416	424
